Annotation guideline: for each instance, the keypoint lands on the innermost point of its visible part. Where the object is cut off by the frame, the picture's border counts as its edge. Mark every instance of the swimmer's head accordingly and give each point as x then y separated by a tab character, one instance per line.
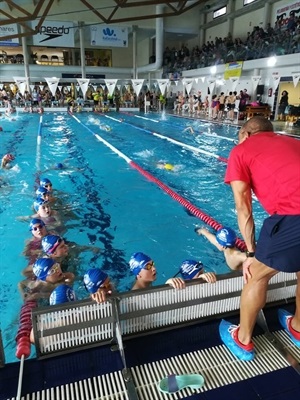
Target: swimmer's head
34	222
226	237
169	167
46	183
139	261
9	157
50	243
189	269
41	192
93	279
43	268
59	166
62	294
39	202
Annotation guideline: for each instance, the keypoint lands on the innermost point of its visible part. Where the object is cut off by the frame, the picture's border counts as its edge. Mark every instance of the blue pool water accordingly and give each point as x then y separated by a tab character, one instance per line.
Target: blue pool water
111	205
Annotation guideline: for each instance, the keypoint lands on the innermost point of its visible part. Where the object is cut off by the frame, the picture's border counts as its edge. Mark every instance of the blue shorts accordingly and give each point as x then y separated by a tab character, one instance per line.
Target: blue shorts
278	245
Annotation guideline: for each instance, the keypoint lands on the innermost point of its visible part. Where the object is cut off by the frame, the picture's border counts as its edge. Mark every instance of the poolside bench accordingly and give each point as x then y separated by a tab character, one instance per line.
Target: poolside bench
264	111
80	325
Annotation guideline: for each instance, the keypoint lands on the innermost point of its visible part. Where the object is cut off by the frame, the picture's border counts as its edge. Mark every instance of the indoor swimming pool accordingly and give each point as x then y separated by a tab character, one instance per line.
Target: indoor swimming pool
108	204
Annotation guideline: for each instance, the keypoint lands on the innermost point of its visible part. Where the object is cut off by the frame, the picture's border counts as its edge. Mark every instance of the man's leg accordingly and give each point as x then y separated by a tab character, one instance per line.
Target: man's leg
253	298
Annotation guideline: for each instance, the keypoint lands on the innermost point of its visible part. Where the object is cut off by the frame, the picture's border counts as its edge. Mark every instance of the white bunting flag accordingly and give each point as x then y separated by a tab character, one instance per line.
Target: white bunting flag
137	85
111	84
83	84
296	77
41	87
52	84
234	82
21	83
162	83
211	84
276	80
188	83
1	86
31	87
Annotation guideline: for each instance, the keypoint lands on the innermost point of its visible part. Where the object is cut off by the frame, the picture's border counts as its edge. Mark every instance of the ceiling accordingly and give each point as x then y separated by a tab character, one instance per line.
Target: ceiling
22	12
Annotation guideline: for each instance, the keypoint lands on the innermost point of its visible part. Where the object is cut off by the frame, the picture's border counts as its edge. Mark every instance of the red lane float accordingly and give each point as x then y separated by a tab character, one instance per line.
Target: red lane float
25	326
240	244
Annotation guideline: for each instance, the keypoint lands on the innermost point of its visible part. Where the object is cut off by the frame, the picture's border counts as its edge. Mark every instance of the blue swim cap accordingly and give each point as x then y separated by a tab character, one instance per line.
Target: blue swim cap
50	243
41	191
45	181
190	268
226	237
93	279
35	221
138	261
62	294
38	202
42	266
59	165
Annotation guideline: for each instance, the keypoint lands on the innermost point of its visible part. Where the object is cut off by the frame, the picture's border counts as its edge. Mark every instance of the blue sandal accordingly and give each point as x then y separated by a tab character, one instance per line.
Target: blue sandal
174	383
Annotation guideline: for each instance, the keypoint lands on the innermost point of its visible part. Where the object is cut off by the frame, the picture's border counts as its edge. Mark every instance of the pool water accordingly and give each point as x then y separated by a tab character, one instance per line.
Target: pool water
107	203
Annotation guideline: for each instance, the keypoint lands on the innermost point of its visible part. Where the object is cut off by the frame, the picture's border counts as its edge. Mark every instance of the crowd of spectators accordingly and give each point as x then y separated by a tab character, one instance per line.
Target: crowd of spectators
259	43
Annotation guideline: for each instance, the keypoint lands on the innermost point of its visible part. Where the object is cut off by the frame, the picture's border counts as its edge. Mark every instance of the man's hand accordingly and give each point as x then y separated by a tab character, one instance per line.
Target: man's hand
246	269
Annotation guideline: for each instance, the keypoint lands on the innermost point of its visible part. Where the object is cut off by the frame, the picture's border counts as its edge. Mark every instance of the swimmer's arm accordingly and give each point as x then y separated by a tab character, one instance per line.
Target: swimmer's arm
25	218
176	283
210	237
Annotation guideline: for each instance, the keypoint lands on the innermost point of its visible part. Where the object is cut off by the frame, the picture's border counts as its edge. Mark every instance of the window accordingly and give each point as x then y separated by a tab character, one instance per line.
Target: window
220	12
246	2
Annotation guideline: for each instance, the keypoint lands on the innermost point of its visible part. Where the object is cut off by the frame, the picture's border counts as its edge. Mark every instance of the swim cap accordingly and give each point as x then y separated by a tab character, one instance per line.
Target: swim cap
138	261
190	268
42	267
59	165
50	243
39	202
40	191
61	294
35	221
9	156
93	279
226	237
45	181
169	167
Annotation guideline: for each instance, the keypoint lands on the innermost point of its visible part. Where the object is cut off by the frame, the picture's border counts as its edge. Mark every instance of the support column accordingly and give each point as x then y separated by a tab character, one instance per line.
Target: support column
82	54
201	29
230	10
256	72
134	51
267	14
25	57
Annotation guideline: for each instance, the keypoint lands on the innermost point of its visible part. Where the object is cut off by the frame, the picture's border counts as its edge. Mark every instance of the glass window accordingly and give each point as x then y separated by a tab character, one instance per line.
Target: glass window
220	12
246	2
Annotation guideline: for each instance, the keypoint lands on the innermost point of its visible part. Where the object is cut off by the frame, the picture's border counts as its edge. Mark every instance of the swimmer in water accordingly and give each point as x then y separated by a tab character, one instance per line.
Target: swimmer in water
48	275
98	284
224	240
164	165
5	162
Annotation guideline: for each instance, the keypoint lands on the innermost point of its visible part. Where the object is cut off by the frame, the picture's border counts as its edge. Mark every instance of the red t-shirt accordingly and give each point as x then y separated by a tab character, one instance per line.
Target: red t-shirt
270	163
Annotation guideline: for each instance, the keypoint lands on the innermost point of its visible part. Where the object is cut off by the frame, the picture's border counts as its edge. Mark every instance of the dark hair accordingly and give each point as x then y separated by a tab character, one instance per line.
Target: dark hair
259	124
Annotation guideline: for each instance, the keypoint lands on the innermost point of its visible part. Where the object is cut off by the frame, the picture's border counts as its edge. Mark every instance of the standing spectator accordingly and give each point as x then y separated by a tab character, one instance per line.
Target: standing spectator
268	165
283	103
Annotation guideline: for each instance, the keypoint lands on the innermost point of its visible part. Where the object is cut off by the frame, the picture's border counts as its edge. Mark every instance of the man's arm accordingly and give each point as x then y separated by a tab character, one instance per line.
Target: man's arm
243	202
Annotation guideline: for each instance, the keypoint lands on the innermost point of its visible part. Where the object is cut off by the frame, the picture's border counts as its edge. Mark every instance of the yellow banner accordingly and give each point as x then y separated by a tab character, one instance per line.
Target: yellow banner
233	69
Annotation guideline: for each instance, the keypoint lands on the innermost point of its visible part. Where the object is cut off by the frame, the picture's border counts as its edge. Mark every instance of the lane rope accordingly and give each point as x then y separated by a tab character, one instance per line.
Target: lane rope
240	244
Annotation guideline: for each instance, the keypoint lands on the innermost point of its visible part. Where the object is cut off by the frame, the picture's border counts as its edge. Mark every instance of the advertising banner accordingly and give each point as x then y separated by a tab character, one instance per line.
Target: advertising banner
108	36
6	30
233	69
283	13
54	34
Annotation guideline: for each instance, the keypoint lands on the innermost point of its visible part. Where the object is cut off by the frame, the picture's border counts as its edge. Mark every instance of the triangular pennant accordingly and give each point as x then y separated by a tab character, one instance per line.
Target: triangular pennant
69	88
41	87
103	87
31	87
21	83
162	84
52	84
211	84
137	85
255	80
128	87
176	83
296	77
83	83
276	80
12	87
188	83
59	88
95	88
197	80
234	80
1	86
111	84
119	87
